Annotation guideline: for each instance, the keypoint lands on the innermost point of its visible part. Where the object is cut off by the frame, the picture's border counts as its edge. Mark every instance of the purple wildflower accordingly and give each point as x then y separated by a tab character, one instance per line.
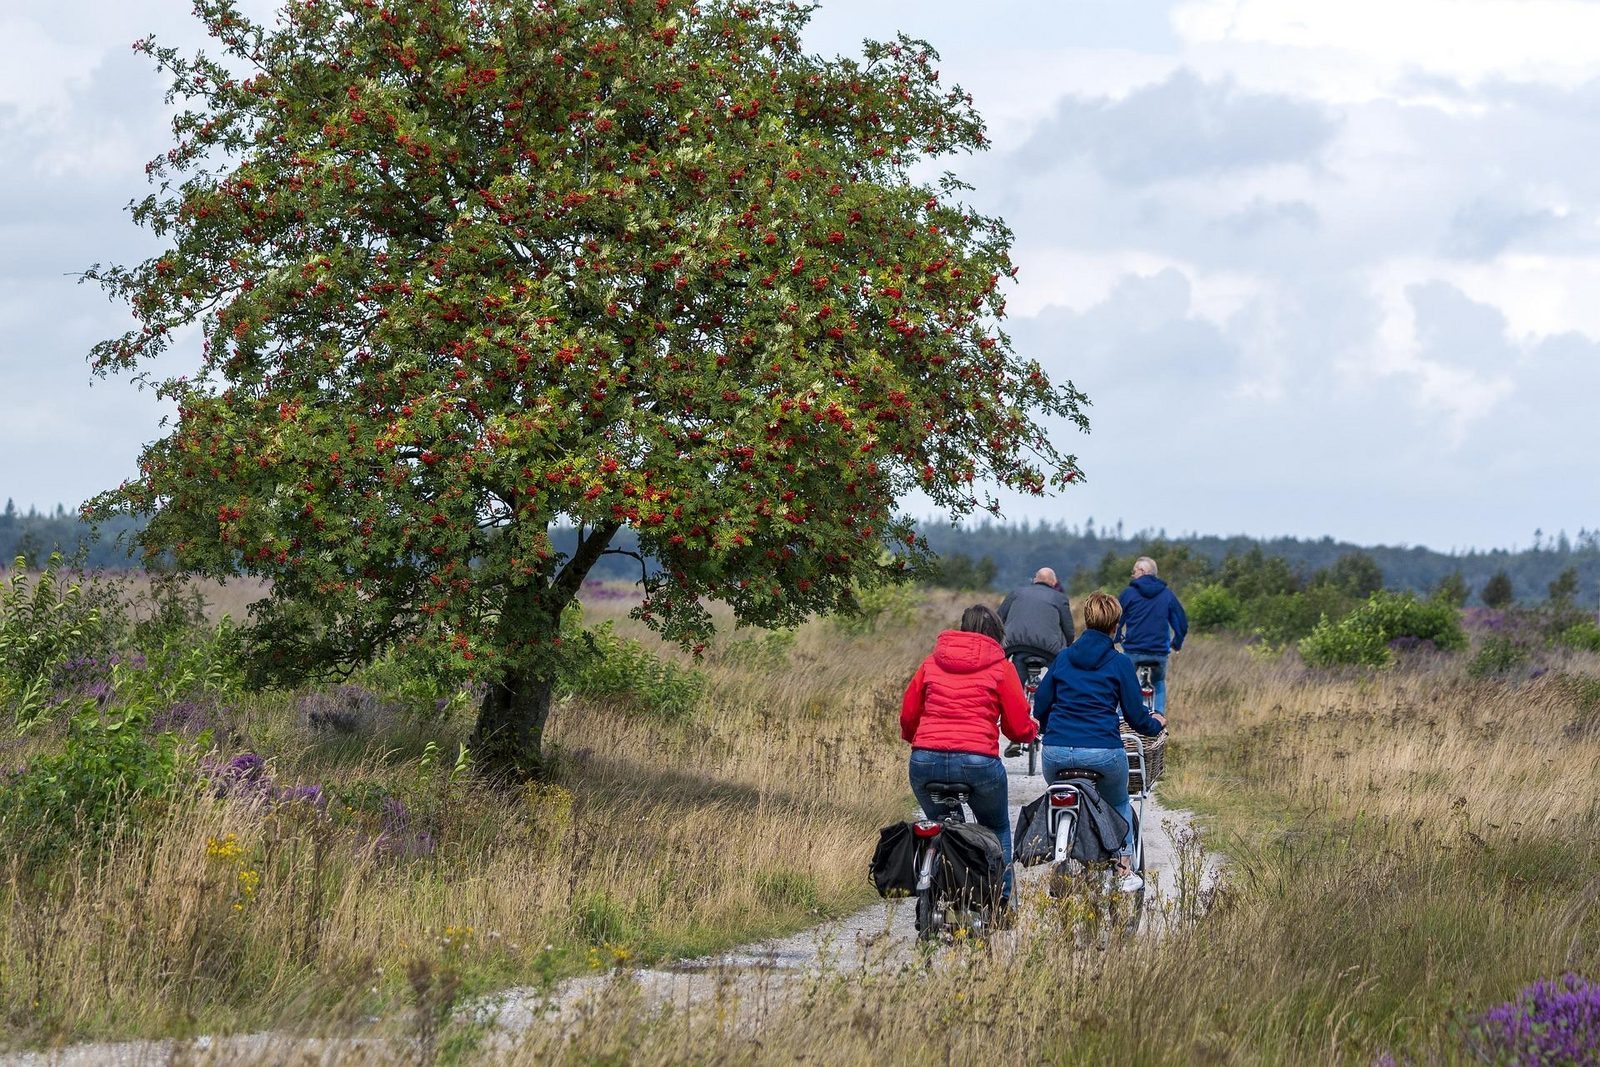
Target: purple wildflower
1551	1022
188	717
348	709
244	776
311	795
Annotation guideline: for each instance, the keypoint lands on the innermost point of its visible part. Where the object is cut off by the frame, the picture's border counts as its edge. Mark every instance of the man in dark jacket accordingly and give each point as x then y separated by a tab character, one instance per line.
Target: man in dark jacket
1153	625
1038	620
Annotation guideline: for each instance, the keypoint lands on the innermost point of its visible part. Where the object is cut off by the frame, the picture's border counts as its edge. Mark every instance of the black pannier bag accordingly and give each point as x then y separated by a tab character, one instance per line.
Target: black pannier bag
894	861
970	865
1032	842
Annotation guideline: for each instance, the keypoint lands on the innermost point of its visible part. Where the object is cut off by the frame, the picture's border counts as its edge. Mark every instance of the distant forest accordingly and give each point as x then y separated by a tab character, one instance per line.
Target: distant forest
1079	554
1003	555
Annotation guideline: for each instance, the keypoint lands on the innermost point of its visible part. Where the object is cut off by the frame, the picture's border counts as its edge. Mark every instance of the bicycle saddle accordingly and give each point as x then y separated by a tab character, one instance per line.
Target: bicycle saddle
949	789
1066	774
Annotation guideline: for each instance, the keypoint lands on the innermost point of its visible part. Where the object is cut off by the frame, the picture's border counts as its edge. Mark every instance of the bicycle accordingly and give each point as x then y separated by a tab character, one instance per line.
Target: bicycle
939	914
1109	896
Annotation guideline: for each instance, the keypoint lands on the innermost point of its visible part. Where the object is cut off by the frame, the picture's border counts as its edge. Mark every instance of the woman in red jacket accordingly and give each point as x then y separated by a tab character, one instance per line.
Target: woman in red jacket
953	711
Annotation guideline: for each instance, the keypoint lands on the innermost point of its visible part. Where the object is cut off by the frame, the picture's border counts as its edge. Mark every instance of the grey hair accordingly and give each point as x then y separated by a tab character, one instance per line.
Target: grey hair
1144	565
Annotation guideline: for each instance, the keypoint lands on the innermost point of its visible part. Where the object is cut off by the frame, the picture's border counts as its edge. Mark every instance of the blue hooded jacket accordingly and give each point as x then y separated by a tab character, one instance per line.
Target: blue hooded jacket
1149	612
1078	699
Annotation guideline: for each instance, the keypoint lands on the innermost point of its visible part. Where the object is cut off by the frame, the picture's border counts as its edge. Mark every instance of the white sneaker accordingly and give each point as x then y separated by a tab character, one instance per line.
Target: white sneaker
1130	883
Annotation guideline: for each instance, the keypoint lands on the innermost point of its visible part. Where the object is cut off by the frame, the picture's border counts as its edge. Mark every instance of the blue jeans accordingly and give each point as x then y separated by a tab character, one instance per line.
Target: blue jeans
1158	674
1112	763
986	776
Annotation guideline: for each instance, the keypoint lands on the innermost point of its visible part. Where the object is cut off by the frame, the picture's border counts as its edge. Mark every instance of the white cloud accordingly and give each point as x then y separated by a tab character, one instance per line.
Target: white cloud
1550	40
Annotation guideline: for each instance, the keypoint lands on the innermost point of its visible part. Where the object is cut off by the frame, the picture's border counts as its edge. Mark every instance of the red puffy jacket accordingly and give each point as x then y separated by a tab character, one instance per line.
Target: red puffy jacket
960	693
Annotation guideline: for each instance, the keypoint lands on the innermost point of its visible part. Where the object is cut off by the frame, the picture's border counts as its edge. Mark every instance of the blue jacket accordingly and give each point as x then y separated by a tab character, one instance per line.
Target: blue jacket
1078	699
1149	611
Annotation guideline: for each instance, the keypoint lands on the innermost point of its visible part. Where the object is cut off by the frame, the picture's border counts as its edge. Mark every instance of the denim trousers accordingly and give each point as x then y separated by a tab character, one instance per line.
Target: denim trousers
1112	763
1158	674
985	775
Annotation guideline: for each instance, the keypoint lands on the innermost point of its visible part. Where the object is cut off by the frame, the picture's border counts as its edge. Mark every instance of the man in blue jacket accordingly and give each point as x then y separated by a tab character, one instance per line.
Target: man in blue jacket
1153	625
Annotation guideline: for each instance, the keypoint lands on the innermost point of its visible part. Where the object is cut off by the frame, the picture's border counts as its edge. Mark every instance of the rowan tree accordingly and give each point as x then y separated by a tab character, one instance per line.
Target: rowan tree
466	269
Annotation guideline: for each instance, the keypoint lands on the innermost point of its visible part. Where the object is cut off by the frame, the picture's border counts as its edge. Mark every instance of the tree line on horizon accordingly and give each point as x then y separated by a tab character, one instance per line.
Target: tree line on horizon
998	556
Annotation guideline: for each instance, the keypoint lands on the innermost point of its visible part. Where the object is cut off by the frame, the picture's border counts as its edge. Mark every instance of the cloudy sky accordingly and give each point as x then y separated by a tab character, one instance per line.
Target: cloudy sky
1326	267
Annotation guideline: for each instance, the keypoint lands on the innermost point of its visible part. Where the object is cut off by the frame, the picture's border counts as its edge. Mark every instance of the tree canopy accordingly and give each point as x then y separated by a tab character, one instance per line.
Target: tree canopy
468	268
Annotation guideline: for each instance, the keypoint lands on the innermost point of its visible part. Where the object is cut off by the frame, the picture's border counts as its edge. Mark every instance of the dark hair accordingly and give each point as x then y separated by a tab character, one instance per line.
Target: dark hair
981	619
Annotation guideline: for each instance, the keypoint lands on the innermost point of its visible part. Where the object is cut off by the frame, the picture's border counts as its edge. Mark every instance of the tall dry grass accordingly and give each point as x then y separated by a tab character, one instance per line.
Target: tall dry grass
653	839
1405	849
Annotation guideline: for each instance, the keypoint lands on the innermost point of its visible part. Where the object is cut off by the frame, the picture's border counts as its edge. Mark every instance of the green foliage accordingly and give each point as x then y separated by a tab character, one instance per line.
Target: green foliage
1583	636
1362	637
1280	619
1355	574
45	621
1343	644
622	668
81	796
881	607
1212	607
1564	589
960	571
1498	655
1497	591
1403	615
767	653
1452	589
1255	574
1178	566
469	268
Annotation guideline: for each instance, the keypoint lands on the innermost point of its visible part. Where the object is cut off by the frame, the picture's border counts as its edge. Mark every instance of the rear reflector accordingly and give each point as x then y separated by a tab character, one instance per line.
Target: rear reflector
926	828
1064	800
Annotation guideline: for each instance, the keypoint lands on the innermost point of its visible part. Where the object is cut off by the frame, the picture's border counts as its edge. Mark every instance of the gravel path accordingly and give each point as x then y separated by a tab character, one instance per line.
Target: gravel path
756	975
881	935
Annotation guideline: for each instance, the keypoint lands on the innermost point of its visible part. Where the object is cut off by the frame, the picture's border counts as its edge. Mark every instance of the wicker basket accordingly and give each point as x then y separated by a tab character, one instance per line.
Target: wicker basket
1155	752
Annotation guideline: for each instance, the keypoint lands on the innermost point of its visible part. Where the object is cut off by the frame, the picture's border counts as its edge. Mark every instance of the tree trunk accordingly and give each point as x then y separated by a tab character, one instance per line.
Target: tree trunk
508	741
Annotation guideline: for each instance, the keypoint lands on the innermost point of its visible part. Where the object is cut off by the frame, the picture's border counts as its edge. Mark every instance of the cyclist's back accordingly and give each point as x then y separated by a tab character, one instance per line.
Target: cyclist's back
1038	620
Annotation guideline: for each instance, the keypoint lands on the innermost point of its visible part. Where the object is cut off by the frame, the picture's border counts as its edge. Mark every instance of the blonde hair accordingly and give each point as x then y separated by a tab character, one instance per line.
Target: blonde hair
1101	612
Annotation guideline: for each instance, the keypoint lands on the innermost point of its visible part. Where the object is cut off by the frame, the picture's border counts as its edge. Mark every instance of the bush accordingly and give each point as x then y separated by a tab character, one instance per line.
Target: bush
1583	636
1362	637
45	622
1498	655
616	666
1342	644
108	766
1403	615
1282	618
1212	607
879	607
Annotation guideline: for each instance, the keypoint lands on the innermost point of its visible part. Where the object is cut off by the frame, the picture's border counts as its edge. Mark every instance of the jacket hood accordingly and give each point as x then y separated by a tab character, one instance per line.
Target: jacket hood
1090	651
1148	585
961	652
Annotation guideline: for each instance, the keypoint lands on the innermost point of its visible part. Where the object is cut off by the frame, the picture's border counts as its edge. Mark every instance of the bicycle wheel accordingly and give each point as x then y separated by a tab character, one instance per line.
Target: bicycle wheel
927	928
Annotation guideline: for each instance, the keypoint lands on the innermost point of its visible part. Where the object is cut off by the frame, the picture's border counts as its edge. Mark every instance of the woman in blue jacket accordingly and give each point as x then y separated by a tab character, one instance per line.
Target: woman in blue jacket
1088	688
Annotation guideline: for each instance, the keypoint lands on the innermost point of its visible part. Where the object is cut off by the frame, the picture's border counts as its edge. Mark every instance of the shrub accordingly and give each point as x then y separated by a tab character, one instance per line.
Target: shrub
1362	637
45	621
615	666
879	607
1342	644
1212	607
1498	655
1281	618
1403	615
1583	636
107	767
